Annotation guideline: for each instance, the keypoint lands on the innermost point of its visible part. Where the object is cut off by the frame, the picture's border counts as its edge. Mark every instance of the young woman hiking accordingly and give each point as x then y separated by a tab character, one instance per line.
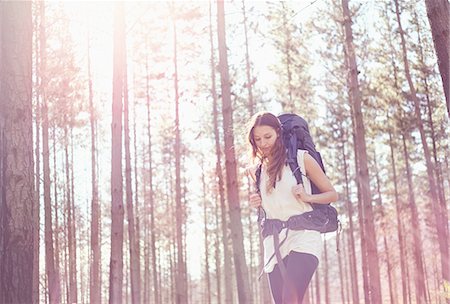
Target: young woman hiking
281	198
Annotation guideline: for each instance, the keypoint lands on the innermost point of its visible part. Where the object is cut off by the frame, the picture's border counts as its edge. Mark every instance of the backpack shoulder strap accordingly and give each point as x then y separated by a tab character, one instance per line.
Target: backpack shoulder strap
295	168
258	178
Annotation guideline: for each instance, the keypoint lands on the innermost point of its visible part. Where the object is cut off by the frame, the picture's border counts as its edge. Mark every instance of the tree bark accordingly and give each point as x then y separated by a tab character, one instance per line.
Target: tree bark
243	285
219	172
351	240
440	212
438	12
250	81
419	277
206	236
37	200
399	212
151	194
95	286
181	275
135	265
16	154
363	171
117	208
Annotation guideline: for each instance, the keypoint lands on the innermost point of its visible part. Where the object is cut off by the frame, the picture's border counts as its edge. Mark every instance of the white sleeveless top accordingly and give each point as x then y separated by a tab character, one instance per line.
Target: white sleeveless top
282	204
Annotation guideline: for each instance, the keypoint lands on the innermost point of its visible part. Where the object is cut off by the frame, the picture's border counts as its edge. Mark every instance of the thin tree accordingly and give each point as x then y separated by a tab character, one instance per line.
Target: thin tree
439	208
206	236
219	171
243	285
135	266
117	208
37	155
363	171
181	274
16	154
95	273
152	244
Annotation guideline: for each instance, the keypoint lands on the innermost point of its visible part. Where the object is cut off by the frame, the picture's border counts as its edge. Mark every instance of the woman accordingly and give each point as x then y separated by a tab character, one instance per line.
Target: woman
281	198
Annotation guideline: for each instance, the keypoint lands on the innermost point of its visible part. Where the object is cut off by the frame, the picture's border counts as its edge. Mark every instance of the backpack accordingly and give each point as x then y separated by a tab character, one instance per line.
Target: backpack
295	135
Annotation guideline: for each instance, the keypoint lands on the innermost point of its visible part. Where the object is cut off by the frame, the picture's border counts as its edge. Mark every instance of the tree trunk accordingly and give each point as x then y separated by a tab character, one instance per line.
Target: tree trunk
217	257
341	274
206	235
250	81
399	212
363	171
351	240
391	282
219	173
56	207
438	12
417	235
135	265
150	183
181	275
37	200
16	154
117	210
440	211
95	287
137	208
243	285
326	273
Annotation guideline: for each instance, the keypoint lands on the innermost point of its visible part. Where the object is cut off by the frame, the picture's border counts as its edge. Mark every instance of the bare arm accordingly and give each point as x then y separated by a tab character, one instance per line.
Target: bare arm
317	176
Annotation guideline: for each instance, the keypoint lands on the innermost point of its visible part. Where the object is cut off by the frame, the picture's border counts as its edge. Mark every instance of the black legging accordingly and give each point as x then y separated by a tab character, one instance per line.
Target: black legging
300	269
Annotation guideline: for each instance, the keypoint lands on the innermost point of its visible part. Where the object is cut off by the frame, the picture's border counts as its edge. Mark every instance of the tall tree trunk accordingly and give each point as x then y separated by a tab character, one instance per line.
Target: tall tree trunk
37	200
439	210
341	274
326	273
56	207
181	275
16	154
250	80
70	220
399	212
52	275
95	287
438	12
243	285
417	247
135	265
218	260
287	53
117	210
206	236
351	240
74	214
150	183
380	206
137	208
363	171
219	173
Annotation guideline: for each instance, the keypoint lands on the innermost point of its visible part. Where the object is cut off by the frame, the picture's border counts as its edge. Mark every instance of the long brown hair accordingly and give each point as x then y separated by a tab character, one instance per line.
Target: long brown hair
278	153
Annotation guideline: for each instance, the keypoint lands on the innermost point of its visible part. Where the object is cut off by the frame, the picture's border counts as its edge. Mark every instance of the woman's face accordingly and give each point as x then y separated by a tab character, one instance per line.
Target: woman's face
265	137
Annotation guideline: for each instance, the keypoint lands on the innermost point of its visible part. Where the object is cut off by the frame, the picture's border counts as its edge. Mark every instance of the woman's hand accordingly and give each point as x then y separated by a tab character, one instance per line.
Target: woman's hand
255	200
300	193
